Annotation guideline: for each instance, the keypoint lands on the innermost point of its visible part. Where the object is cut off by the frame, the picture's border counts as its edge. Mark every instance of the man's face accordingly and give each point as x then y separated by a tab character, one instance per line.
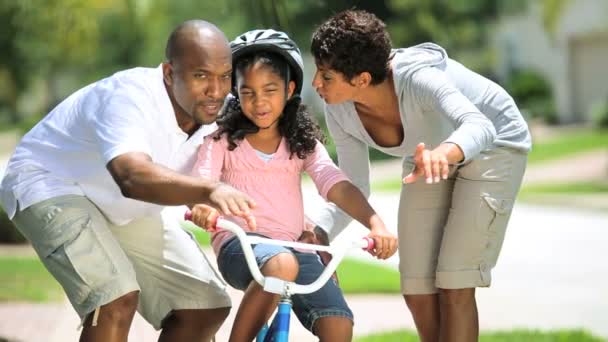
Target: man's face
200	79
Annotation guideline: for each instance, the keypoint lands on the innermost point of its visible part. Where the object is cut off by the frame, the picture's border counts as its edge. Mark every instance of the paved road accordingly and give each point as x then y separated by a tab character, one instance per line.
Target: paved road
552	272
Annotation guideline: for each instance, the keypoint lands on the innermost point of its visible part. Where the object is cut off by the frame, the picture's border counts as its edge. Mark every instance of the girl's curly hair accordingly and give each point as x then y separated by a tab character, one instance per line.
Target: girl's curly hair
295	124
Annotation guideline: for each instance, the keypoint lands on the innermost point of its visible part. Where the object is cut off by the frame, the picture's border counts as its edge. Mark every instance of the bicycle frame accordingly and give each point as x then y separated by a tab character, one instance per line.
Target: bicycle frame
279	328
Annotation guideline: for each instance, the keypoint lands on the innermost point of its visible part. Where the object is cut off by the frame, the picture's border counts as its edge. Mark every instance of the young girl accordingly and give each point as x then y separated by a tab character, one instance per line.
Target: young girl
265	141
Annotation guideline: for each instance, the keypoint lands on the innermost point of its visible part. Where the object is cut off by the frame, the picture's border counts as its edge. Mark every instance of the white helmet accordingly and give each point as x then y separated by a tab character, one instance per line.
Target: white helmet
271	41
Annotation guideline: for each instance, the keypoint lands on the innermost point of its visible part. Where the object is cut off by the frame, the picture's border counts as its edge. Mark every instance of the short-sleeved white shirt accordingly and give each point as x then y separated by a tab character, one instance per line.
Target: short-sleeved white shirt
67	151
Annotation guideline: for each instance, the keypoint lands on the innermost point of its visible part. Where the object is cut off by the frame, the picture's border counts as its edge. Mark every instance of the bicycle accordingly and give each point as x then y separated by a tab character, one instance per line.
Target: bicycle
278	331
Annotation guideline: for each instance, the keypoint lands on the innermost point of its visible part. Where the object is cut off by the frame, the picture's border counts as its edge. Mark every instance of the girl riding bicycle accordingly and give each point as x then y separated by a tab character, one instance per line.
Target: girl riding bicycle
266	139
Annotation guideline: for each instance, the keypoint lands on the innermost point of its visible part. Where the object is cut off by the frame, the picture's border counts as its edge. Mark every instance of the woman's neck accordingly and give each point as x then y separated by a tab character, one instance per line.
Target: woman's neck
378	100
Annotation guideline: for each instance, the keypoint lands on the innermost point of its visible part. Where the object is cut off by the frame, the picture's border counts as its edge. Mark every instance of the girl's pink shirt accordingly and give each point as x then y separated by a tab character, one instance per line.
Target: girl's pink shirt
275	185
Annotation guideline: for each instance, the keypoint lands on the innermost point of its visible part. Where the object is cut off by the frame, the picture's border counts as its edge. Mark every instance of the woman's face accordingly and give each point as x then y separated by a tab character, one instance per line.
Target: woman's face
332	86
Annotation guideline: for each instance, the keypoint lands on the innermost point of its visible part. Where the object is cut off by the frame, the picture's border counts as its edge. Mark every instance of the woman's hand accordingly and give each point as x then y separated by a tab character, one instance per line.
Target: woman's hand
385	242
434	165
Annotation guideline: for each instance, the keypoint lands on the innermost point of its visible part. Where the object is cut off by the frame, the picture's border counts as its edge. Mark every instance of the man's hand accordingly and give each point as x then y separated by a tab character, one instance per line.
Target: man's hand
230	201
318	236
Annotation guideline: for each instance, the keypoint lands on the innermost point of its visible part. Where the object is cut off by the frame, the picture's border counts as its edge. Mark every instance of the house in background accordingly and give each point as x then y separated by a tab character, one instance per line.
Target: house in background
573	59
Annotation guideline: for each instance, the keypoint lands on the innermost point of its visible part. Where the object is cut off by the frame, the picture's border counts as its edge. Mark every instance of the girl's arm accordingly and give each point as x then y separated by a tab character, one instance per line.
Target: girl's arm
353	158
348	198
336	188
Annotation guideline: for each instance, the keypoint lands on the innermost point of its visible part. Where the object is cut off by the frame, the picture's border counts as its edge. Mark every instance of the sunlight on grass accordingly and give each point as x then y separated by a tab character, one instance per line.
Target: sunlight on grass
203	238
26	279
502	336
360	277
387	185
571	188
584	195
568	144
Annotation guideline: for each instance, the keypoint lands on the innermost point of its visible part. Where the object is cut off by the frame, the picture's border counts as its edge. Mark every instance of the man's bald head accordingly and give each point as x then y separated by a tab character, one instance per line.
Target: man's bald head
193	35
197	73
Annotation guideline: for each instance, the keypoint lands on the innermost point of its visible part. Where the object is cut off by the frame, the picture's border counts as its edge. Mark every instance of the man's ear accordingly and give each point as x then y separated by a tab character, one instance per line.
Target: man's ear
168	73
291	87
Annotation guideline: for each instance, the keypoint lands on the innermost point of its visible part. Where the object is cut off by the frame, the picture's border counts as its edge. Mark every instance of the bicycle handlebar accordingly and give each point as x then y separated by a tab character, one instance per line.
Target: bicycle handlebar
279	286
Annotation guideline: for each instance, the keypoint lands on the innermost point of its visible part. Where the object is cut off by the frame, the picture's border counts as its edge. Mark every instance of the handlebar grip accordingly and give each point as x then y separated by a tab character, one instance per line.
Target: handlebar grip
370	244
188	215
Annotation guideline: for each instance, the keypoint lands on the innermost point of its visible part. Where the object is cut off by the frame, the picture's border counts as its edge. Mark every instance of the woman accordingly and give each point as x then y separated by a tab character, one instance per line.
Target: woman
464	145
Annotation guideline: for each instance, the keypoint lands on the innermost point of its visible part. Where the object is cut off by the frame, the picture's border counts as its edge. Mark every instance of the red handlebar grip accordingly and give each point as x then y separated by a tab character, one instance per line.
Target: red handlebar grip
370	244
188	215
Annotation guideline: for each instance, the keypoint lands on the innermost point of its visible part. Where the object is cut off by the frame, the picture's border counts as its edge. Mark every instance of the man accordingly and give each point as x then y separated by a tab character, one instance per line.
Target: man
87	184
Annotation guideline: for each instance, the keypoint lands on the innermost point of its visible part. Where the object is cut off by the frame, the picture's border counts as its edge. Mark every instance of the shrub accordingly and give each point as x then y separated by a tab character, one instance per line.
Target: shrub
533	94
8	231
599	114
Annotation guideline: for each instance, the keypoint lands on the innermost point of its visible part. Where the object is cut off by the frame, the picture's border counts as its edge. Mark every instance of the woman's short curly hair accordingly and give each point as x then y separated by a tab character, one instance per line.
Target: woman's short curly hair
352	42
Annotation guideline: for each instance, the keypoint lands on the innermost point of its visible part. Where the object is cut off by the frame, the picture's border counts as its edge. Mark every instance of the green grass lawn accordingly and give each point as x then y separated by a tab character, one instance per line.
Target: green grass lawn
394	185
572	188
203	238
387	185
360	277
567	144
502	336
585	195
26	279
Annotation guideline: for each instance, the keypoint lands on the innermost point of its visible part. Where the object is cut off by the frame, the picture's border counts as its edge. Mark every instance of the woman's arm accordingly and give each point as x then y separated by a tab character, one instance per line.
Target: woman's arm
474	132
433	91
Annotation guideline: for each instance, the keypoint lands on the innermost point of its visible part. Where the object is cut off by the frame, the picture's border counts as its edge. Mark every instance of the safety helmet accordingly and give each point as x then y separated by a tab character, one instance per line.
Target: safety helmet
271	41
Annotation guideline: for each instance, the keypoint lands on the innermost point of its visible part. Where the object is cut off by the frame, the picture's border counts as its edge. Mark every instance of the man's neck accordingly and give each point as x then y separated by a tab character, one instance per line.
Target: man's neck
185	122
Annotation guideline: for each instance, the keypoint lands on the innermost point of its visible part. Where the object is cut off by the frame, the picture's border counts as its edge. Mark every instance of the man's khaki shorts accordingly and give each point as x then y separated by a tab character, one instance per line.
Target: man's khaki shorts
450	233
97	262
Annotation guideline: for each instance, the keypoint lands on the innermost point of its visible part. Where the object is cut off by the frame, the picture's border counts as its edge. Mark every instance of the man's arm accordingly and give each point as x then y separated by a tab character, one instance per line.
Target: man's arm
138	177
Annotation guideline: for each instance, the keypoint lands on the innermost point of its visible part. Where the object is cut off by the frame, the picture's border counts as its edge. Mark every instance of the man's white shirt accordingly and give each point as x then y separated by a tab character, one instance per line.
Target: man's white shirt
67	151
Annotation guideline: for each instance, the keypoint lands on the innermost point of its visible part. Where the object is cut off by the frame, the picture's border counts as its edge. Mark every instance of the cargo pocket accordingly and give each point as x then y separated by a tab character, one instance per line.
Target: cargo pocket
90	260
500	210
494	218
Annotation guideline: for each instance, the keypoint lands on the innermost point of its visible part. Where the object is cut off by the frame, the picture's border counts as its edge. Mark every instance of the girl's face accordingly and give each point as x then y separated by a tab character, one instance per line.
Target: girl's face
262	95
332	86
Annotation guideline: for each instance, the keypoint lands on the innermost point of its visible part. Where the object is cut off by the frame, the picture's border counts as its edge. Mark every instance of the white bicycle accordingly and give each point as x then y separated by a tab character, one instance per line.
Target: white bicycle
279	328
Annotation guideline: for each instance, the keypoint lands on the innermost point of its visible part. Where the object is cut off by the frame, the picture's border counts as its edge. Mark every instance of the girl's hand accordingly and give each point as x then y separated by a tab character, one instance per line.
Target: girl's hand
433	165
385	242
205	216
